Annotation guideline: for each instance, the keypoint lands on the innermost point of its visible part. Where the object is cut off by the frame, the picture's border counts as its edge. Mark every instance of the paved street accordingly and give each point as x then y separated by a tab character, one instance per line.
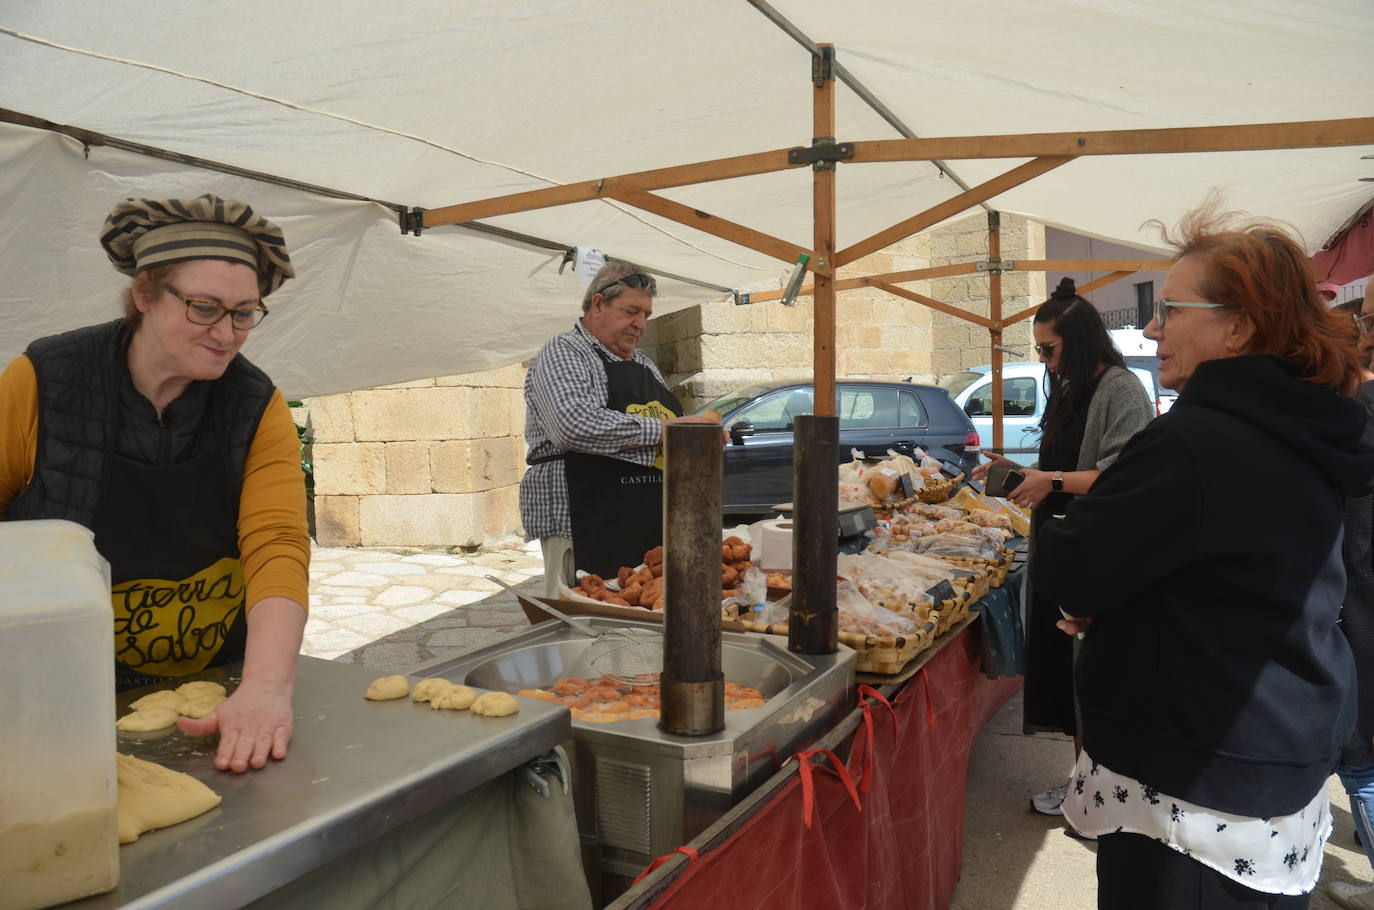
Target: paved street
389	608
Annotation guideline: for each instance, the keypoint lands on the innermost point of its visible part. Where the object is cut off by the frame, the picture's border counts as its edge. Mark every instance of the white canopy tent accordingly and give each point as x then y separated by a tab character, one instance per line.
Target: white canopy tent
433	103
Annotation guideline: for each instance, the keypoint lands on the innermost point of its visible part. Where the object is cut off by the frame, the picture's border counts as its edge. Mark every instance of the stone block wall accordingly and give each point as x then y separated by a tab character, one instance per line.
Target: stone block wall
435	462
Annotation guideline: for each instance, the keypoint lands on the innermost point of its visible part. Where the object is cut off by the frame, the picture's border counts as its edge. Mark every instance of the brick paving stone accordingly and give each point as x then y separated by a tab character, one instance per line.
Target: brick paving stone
453	620
457	641
421	612
431	559
355	579
496	616
374	625
390	569
402	596
461	598
333	591
332	610
391	656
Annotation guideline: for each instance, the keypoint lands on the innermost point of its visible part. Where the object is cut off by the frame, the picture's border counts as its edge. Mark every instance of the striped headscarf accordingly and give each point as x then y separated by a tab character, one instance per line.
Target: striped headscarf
144	233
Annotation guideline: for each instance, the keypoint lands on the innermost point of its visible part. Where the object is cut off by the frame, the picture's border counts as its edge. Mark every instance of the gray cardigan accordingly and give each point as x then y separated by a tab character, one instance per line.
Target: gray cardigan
1120	408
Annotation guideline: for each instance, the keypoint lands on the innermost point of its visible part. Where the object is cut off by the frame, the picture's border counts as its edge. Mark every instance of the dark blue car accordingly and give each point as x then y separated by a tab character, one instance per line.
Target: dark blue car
874	417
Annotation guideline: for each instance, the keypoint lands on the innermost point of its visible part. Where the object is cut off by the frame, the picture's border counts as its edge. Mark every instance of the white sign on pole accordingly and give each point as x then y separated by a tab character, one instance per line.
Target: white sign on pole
587	264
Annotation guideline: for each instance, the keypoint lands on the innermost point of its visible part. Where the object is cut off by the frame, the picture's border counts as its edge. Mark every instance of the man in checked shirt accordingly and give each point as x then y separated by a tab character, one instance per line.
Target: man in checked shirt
595	411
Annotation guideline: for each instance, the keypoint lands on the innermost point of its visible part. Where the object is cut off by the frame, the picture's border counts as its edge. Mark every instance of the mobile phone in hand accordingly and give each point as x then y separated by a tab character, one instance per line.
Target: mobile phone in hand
1002	479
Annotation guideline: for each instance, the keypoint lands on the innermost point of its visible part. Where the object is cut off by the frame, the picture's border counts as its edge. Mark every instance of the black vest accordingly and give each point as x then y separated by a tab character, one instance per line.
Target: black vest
82	377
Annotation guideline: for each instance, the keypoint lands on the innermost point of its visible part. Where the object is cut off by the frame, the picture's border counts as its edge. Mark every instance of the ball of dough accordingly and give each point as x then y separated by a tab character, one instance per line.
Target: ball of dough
388	687
200	705
430	689
163	698
144	720
201	687
496	704
455	698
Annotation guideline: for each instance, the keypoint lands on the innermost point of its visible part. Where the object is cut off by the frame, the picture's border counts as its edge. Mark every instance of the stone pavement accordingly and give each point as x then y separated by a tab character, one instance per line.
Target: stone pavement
390	608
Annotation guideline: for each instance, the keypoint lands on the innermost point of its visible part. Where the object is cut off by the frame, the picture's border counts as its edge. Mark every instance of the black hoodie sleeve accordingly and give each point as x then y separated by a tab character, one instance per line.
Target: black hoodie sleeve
1136	526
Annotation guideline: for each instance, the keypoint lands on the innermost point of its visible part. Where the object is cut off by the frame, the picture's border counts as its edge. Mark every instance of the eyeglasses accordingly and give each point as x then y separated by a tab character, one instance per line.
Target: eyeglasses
1046	349
638	281
1364	322
1162	308
207	312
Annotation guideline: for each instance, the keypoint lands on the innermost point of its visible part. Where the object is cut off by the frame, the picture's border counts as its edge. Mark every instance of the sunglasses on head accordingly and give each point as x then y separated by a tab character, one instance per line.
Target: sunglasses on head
638	281
1364	322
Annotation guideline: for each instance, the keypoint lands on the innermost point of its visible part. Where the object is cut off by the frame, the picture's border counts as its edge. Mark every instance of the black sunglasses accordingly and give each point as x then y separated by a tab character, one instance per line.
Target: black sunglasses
638	281
1046	349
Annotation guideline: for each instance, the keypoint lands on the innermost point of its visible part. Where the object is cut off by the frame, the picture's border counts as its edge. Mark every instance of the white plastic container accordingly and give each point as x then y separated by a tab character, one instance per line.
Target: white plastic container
58	834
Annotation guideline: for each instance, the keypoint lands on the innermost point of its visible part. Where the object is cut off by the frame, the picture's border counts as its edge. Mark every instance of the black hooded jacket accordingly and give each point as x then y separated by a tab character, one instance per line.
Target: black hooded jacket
1209	557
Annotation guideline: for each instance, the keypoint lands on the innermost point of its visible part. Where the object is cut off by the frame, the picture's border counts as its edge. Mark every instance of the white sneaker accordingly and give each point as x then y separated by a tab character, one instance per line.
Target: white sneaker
1049	802
1352	897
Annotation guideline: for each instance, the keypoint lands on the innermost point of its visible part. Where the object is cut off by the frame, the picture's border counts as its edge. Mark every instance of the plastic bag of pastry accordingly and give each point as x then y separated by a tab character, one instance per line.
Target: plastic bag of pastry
883	482
934	512
860	616
900	463
752	590
928	566
851	472
853	494
882	581
951	544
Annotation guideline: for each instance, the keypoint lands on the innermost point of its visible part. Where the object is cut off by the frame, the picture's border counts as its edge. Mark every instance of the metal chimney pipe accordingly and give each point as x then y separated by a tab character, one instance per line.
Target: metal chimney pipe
813	625
692	688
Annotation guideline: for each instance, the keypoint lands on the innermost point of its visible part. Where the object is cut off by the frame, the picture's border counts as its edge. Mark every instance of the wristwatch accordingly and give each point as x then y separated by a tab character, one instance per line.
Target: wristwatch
1057	481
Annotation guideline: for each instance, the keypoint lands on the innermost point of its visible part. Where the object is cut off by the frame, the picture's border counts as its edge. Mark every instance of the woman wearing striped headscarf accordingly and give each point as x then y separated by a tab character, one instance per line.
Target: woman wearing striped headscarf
182	458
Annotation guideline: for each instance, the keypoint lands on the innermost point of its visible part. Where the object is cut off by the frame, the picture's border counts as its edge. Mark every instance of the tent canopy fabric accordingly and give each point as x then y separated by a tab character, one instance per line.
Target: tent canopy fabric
432	103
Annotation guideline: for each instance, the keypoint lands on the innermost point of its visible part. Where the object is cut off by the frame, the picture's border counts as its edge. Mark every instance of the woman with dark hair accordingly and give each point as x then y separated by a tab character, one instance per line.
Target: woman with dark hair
1205	572
1094	405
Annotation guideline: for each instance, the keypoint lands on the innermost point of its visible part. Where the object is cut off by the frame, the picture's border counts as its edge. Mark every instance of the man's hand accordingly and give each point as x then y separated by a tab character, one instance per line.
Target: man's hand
691	418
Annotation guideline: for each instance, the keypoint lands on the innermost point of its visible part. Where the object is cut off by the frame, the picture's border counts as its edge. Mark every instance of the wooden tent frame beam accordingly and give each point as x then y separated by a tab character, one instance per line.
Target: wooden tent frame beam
1047	151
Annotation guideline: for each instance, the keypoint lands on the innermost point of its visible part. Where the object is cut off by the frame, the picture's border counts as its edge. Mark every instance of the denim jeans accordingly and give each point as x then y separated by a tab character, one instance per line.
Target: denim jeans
1359	783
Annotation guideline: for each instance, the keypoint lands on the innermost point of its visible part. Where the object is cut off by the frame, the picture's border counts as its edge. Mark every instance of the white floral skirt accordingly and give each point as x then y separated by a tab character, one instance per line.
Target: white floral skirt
1281	855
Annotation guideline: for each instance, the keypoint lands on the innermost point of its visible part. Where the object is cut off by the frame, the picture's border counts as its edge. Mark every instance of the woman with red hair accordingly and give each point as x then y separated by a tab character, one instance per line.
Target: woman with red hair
1216	689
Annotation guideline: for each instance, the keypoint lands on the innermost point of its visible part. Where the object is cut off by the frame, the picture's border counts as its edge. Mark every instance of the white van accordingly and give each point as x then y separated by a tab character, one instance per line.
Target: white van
1023	403
1139	352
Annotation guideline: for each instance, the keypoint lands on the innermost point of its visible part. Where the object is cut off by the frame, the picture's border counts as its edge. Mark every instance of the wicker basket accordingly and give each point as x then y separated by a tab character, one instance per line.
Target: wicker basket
938	491
996	569
885	655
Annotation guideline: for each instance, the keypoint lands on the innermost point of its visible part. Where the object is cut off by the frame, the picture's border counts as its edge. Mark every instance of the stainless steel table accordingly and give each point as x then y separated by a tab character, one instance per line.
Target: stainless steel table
356	770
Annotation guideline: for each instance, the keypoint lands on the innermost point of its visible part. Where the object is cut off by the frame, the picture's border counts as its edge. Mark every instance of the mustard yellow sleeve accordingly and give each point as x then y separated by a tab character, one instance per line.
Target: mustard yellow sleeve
19	426
274	540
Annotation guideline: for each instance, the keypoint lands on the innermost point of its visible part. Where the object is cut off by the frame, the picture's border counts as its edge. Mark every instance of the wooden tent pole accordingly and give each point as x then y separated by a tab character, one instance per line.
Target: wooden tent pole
995	314
949	208
823	212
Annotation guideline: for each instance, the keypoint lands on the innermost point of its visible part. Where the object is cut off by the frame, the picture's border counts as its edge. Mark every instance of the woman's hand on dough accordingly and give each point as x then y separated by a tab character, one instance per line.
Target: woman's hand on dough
252	723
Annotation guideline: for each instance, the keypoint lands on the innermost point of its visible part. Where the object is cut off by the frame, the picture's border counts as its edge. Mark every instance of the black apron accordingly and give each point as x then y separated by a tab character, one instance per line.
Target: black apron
617	506
170	535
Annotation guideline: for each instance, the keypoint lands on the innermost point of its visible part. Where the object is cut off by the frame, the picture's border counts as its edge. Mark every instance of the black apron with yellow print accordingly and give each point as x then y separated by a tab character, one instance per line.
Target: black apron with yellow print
617	506
170	535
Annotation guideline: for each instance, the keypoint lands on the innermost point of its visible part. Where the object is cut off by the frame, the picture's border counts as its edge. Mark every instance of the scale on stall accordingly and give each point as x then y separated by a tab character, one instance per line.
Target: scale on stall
854	519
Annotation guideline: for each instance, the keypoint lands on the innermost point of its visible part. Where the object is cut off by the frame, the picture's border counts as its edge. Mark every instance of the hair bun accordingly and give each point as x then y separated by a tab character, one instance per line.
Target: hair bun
1066	290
